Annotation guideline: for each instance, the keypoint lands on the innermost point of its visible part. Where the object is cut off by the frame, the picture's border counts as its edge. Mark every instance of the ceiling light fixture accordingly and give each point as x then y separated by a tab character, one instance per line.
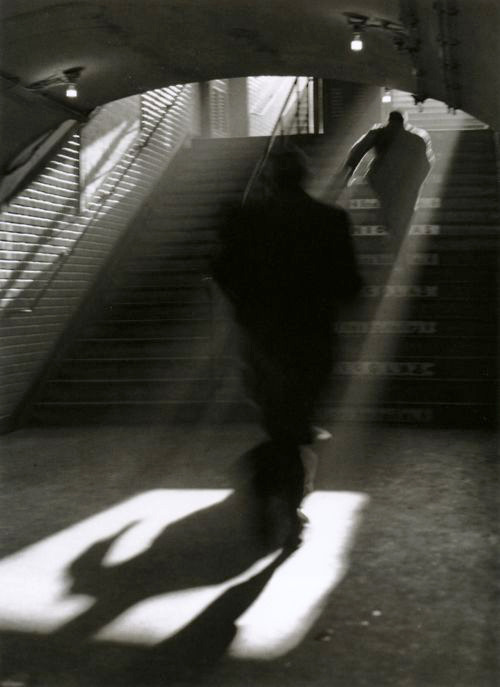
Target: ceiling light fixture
387	96
356	42
67	79
71	91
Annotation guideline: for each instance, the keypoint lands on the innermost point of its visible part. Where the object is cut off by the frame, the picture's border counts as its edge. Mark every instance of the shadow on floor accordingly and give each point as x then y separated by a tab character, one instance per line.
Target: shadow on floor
418	607
209	546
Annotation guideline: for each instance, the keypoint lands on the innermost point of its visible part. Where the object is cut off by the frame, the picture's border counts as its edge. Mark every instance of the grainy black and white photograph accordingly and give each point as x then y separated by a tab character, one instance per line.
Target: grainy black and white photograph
249	310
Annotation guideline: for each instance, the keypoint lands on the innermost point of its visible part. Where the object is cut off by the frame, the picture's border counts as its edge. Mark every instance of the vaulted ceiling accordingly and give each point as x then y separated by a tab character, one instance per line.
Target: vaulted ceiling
444	49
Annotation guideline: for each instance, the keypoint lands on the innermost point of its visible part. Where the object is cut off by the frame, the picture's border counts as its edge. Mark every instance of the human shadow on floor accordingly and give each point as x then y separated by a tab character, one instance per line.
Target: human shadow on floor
208	547
186	656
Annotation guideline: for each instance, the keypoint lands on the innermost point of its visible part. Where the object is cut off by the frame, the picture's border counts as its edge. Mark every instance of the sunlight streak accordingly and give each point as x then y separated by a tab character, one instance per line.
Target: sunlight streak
401	285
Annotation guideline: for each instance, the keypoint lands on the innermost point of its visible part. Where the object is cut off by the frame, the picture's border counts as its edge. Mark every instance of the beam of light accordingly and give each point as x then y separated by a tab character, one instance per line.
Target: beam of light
392	309
35	592
365	392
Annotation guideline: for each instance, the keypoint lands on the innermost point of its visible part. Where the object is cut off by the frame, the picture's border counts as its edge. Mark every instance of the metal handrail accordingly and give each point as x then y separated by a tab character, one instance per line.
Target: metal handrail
56	266
63	257
279	125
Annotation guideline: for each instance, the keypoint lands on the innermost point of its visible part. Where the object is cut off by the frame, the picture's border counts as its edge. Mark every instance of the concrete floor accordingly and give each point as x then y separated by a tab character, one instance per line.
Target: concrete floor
416	605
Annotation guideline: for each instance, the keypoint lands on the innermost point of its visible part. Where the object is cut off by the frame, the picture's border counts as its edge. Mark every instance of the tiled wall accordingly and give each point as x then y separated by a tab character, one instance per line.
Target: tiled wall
51	249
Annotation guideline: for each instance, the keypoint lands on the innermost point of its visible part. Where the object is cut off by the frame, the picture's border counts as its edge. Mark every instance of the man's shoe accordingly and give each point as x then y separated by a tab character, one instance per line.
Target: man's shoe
302	517
320	434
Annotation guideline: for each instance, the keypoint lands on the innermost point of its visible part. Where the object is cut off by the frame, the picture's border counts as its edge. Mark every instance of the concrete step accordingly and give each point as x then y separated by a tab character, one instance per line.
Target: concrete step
160	225
435	413
156	295
159	279
430	308
225	178
209	209
451	141
474	263
444	298
441	233
412	413
434	194
195	389
470	160
462	165
467	345
433	273
457	291
158	246
197	198
404	413
446	140
478	276
425	390
474	342
173	251
217	158
389	388
420	367
166	265
161	309
172	234
205	183
423	330
461	178
443	190
435	216
469	358
448	146
144	328
433	267
435	122
234	142
141	414
136	347
179	367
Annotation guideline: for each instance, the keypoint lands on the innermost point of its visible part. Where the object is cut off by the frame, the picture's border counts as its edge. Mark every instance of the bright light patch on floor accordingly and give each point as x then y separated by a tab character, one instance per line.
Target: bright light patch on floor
35	593
33	582
293	599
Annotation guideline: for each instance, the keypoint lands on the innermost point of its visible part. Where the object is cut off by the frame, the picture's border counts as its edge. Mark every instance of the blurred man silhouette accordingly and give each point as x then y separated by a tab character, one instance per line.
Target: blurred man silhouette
402	159
285	264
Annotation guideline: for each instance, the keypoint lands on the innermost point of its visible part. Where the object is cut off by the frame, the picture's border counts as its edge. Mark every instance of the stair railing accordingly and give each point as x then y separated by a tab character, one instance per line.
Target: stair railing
284	126
63	257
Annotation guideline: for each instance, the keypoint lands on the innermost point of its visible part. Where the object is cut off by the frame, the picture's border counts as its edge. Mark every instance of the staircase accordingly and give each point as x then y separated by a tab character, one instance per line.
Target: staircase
426	342
157	350
148	354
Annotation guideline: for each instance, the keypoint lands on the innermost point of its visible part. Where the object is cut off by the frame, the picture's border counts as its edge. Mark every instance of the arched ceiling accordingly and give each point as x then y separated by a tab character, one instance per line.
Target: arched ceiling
129	46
